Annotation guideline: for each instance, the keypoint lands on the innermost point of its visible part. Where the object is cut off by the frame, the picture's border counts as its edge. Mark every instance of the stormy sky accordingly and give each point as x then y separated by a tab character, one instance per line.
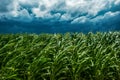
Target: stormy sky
59	16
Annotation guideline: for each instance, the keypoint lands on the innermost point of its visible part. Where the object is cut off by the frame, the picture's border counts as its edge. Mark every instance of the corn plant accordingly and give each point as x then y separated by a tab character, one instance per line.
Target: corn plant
69	56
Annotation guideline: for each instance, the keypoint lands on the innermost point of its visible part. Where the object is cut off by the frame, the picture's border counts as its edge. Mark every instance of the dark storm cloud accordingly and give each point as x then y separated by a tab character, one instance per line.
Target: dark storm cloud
59	15
5	5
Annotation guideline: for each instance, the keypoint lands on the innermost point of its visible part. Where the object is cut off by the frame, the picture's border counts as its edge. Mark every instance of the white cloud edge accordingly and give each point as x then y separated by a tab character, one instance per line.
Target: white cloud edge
81	6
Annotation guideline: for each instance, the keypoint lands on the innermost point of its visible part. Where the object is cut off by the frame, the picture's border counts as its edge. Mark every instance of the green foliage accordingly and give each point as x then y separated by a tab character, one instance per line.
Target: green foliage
70	56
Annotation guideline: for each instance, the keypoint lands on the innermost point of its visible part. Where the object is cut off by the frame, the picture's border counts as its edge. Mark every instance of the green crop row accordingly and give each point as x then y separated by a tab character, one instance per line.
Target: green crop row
70	56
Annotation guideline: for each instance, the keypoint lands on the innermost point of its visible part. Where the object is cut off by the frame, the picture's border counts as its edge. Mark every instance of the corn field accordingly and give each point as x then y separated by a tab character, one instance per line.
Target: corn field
69	56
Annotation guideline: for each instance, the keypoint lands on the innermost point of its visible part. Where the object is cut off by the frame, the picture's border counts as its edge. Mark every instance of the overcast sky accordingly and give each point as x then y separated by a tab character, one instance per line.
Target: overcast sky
54	16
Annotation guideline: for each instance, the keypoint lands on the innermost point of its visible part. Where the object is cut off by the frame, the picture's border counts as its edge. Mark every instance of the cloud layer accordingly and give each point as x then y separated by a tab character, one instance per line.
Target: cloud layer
59	15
